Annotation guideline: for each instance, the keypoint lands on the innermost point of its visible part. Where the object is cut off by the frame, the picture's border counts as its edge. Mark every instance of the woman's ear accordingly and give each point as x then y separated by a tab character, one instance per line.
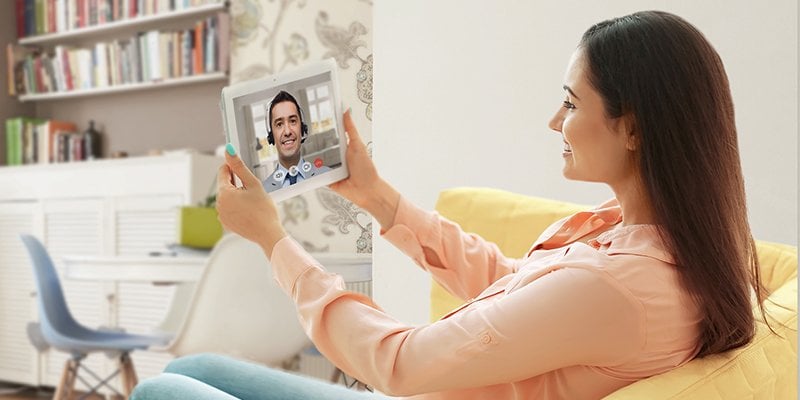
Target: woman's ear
627	127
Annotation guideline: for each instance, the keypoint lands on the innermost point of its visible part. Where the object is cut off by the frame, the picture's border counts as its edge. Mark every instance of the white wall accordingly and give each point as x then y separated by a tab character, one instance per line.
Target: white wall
464	90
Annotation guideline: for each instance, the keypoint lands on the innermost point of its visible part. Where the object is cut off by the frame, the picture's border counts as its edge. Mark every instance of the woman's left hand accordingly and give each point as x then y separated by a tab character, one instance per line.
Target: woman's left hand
247	211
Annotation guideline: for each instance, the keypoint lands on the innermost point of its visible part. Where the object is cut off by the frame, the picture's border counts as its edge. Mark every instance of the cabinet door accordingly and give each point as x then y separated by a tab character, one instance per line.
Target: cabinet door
75	228
143	225
18	358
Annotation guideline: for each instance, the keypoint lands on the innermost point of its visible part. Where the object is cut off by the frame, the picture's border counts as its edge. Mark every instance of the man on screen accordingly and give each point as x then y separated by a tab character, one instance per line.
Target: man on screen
287	131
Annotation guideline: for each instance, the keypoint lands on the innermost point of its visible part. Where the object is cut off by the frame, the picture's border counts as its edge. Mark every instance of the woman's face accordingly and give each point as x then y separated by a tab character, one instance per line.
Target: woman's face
596	148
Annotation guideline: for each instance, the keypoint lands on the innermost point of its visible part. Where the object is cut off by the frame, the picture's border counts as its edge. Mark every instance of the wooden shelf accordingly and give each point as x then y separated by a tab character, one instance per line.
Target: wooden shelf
209	77
124	24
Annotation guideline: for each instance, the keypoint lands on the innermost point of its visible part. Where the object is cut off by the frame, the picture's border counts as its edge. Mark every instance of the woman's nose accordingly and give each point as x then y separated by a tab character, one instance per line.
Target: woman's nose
556	121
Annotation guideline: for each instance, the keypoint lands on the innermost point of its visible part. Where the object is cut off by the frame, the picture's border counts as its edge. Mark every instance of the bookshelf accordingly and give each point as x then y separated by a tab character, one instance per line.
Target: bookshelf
126	25
188	80
59	76
91	49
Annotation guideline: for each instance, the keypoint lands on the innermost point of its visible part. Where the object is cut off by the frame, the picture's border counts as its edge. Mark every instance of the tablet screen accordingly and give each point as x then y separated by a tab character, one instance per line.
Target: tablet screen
288	130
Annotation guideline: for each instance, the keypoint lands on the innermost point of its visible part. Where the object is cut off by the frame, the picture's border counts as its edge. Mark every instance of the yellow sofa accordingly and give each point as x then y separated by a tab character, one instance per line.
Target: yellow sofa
765	369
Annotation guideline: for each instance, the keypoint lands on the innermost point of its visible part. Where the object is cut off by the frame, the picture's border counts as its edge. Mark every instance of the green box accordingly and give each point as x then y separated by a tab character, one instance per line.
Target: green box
198	227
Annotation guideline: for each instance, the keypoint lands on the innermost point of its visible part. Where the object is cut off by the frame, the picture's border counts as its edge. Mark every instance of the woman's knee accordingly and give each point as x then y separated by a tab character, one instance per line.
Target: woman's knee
196	365
175	387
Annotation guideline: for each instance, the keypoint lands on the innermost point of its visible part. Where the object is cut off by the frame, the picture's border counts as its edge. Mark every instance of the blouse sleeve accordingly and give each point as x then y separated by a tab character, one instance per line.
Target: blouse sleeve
463	263
571	316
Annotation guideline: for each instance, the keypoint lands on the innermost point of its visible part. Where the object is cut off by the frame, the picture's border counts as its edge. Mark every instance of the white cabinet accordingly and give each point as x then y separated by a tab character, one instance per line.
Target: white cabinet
18	359
100	208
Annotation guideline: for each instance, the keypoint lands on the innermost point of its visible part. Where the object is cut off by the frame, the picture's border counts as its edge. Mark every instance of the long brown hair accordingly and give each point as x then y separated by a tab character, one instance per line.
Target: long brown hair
659	69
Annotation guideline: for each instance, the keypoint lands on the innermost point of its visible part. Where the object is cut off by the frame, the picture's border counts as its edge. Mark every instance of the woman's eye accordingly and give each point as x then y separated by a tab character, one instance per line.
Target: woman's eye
569	105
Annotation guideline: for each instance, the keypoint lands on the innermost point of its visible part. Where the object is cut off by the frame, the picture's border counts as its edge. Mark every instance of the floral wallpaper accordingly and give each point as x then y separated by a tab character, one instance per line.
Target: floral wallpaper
270	36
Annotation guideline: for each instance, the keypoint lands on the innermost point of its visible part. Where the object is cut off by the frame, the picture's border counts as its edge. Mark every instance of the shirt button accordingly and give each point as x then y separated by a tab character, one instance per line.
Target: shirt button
486	339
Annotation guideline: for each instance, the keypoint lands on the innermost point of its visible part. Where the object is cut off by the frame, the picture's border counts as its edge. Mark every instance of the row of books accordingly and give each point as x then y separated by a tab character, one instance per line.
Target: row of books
145	57
37	17
42	141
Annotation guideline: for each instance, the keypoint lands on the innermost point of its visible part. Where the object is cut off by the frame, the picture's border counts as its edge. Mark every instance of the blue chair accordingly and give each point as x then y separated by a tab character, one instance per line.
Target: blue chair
61	331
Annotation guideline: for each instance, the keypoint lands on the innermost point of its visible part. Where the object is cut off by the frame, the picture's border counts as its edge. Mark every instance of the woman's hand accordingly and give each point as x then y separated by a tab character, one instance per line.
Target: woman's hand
247	211
364	187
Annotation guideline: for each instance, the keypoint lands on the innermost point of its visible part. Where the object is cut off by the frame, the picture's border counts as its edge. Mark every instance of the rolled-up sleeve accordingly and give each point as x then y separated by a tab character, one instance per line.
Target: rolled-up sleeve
570	316
463	263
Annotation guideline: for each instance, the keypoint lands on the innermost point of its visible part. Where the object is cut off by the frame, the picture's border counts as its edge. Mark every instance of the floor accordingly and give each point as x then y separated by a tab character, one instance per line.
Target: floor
16	392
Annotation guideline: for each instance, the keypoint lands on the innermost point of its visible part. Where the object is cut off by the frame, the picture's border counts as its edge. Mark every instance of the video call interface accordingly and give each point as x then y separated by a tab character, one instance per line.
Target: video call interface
297	144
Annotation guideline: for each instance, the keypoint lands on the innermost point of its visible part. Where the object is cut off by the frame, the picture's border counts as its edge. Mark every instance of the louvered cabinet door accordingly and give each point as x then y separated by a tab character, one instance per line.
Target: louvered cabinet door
18	358
143	225
76	228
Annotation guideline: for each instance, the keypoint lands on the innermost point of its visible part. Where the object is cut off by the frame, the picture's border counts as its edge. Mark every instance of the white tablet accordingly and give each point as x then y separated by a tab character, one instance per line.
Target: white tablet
288	128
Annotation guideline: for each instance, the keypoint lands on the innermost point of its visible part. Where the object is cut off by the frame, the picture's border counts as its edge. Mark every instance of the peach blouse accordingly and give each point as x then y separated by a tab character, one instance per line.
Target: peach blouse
568	321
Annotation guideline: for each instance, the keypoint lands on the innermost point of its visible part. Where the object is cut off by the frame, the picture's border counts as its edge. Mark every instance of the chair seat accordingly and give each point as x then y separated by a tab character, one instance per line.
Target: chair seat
89	340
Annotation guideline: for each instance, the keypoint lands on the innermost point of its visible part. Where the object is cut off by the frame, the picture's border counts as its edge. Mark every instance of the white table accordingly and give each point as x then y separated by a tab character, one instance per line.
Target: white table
178	269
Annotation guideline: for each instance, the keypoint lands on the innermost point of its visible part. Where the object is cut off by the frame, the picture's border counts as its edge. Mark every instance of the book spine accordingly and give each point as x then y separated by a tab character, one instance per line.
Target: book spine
27	143
10	141
186	53
12	82
210	45
61	15
51	16
163	56
19	14
153	54
67	65
198	48
144	64
39	17
30	17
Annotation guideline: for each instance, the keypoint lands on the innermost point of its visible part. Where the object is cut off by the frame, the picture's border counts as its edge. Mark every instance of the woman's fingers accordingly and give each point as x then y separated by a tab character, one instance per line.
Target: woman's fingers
236	165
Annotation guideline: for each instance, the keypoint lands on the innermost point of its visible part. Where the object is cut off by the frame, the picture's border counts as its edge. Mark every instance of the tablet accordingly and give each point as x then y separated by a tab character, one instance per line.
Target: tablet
288	128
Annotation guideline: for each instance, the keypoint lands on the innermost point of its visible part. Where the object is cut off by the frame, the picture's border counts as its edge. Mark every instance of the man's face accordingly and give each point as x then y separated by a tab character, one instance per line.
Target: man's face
286	129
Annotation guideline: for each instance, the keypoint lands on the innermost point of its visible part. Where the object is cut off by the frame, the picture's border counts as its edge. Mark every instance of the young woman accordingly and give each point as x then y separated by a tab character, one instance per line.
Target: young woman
642	284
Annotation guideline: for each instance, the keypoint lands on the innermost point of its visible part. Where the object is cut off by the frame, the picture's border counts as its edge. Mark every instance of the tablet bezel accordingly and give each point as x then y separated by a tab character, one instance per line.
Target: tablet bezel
235	135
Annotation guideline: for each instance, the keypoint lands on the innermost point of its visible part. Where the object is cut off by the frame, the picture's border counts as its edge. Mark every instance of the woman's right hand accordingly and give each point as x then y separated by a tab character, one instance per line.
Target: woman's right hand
364	187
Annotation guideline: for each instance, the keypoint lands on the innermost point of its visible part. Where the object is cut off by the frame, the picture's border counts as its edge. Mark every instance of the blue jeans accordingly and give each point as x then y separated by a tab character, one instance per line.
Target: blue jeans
215	377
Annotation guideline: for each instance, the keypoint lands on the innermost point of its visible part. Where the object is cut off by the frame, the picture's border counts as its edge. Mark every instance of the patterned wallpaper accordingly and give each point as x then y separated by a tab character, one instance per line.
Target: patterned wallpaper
270	36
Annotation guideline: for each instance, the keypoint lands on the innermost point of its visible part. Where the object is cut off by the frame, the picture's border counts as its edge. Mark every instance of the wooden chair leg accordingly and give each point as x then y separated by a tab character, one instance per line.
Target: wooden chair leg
128	374
67	382
337	374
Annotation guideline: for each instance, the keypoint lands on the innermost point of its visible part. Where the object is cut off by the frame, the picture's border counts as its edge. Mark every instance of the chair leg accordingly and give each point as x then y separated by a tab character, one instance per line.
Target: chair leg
336	375
67	382
128	374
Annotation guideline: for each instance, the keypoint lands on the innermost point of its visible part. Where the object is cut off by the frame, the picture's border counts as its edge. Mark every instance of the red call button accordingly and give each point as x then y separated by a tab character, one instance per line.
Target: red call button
318	162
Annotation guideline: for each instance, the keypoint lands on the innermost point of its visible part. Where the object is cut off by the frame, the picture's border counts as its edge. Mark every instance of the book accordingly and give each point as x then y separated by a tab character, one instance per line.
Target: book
47	131
39	17
186	52
210	44
19	14
198	58
30	17
13	126
61	15
154	55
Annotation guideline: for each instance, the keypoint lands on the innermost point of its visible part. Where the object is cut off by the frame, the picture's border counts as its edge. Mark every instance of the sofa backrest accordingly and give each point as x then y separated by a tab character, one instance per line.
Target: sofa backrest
765	369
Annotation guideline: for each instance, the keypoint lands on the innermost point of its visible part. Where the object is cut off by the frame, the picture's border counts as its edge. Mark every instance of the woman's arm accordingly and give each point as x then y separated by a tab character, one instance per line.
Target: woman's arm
464	264
571	316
